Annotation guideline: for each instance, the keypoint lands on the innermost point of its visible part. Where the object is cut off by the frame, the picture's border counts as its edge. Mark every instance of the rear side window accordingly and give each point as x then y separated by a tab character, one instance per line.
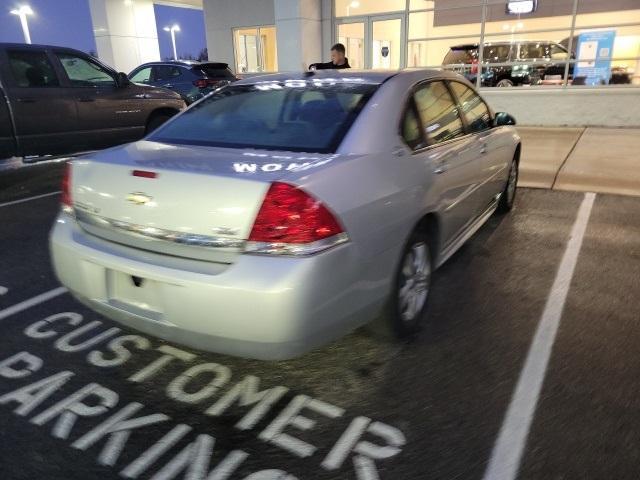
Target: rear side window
32	69
497	53
295	116
473	107
166	72
438	113
214	72
460	55
411	127
532	50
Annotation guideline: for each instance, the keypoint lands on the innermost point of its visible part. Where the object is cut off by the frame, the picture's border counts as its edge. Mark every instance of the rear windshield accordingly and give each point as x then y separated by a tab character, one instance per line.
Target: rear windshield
298	115
460	55
215	72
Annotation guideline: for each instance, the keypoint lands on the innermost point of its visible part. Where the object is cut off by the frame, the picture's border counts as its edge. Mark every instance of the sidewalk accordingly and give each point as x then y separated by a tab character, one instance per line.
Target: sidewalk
603	160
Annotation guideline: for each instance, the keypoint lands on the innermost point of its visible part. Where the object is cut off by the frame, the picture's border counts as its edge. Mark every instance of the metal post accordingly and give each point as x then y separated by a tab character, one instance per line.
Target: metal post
25	27
481	46
565	81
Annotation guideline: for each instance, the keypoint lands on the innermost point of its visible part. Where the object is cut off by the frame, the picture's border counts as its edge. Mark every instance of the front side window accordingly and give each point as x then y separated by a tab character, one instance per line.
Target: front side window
438	113
142	76
32	69
473	107
83	73
294	116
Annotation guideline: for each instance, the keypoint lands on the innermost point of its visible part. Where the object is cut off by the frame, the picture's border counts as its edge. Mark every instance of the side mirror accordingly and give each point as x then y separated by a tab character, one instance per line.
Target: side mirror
503	118
122	80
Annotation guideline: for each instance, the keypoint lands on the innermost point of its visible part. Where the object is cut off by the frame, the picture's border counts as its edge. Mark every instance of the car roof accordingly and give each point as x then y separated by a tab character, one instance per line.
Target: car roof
467	46
29	46
186	63
364	76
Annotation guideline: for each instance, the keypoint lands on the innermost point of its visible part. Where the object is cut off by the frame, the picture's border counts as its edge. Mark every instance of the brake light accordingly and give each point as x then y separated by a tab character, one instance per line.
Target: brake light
474	65
292	222
66	199
207	82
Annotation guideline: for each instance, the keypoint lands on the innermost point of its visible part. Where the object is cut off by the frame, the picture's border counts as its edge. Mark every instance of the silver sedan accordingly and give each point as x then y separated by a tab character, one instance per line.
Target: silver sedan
284	211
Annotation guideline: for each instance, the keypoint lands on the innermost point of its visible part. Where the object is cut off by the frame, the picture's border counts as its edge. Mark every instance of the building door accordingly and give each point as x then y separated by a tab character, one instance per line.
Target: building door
373	41
255	49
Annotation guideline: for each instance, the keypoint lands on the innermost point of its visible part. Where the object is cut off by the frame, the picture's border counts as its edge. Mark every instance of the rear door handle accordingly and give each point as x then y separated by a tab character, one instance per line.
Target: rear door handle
26	100
168	85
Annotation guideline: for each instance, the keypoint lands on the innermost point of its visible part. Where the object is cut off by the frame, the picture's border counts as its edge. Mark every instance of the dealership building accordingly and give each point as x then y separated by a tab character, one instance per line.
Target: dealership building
593	45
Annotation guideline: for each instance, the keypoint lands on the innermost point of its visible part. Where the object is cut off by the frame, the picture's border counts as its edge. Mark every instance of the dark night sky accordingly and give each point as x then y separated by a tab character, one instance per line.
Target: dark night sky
68	23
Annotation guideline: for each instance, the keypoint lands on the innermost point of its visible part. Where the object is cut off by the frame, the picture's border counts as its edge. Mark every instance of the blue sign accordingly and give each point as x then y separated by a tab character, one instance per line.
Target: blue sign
595	50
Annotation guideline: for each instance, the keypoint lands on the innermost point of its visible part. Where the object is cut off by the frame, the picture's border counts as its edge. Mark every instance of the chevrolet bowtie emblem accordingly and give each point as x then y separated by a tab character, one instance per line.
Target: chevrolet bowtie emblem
138	198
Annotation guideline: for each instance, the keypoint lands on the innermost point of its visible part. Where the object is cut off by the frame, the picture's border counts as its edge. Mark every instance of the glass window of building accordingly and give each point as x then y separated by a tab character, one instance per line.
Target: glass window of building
549	43
255	49
356	8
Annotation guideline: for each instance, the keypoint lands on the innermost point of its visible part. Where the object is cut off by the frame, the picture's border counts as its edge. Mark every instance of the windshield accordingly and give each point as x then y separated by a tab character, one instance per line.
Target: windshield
299	115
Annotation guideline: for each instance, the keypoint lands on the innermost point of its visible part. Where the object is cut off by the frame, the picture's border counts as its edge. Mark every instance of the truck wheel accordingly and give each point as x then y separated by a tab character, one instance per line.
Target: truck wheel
155	121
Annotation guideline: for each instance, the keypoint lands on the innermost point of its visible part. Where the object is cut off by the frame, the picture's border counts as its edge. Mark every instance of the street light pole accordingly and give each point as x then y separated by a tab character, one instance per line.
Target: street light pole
22	12
173	30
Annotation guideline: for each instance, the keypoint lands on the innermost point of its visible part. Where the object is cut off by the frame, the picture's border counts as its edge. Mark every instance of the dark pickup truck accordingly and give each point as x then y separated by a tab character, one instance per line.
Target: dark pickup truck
56	101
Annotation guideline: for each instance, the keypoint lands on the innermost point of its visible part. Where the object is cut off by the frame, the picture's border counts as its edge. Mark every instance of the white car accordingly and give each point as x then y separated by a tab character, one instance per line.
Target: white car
284	211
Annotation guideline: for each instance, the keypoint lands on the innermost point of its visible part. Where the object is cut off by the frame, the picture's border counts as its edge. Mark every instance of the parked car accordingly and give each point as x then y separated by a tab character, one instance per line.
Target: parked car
540	59
283	211
56	100
191	79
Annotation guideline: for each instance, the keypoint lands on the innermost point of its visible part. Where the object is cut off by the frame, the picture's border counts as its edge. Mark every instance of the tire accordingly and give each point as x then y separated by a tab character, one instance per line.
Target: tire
505	82
155	121
406	307
508	196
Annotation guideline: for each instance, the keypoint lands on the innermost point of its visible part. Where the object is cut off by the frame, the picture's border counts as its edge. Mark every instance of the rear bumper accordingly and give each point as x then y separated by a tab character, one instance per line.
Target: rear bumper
258	307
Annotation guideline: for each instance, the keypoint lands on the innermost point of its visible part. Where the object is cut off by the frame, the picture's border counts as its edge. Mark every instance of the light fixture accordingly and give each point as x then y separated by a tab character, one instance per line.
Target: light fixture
22	12
173	29
519	7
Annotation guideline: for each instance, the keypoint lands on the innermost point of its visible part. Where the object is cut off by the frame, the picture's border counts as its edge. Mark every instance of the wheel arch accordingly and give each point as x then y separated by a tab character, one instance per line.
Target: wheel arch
430	224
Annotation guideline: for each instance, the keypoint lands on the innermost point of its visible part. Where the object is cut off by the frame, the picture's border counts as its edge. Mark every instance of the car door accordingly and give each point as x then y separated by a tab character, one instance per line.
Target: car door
486	146
450	157
107	113
171	77
44	110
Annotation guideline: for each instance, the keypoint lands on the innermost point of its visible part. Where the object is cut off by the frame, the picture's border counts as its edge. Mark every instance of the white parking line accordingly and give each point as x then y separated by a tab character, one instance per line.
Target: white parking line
43	297
22	200
509	447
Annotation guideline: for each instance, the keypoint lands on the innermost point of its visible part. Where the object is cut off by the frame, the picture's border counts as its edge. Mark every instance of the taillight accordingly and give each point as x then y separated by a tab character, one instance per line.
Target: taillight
66	198
292	222
207	82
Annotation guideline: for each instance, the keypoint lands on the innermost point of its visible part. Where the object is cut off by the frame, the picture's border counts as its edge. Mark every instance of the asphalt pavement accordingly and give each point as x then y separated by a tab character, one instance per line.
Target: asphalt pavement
83	398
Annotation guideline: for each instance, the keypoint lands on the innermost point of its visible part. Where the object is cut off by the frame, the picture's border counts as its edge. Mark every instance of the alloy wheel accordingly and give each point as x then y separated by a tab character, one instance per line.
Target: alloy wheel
414	282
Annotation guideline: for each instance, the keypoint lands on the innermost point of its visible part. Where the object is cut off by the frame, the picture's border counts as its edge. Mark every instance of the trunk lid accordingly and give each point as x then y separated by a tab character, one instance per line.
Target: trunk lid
201	204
